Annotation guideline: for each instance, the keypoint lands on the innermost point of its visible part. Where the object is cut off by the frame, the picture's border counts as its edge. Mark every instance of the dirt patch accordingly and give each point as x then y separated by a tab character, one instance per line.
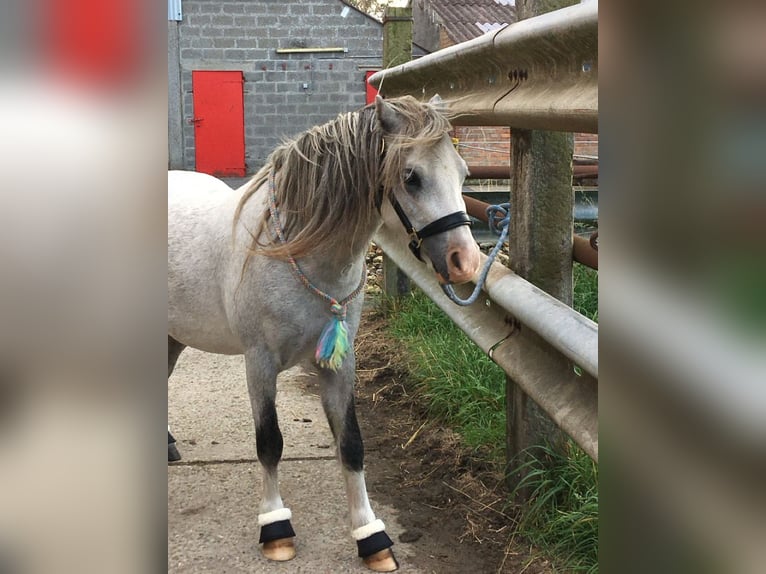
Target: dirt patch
451	500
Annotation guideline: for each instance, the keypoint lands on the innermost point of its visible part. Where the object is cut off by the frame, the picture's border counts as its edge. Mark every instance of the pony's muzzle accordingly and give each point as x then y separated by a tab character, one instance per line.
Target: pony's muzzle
463	262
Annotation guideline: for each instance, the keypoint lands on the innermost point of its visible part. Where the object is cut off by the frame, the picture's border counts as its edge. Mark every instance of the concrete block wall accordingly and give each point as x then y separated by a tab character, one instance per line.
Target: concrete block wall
284	94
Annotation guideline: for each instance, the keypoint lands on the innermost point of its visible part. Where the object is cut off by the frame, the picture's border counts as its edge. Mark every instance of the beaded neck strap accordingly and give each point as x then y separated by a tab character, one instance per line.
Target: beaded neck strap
333	344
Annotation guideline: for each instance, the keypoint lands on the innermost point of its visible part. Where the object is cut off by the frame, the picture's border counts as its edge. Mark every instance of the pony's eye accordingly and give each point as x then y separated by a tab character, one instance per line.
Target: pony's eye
412	180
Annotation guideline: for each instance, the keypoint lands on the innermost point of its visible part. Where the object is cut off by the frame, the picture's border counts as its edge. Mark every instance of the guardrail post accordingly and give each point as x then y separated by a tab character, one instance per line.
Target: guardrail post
540	245
397	49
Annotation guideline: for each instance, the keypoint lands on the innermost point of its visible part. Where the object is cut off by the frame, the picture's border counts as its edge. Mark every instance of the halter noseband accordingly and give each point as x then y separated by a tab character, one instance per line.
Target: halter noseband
441	225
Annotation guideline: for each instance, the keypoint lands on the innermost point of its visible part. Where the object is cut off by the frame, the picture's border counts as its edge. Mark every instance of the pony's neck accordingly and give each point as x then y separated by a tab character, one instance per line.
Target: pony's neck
342	255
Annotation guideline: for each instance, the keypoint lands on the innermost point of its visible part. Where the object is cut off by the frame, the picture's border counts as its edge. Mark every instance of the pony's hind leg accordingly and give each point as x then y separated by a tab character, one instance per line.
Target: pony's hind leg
274	519
373	544
174	350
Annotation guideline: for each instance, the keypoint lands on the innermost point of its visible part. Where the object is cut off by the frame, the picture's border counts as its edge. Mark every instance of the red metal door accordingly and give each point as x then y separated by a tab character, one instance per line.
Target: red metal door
371	92
219	123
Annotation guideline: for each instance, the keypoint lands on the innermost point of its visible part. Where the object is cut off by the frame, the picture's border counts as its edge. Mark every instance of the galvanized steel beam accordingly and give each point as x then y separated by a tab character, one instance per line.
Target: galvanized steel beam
540	73
572	334
529	334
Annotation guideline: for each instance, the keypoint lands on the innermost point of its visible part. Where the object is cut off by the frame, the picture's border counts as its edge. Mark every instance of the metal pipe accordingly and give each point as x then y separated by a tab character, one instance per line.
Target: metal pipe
476	208
504	171
583	252
489	172
582	249
545	374
566	330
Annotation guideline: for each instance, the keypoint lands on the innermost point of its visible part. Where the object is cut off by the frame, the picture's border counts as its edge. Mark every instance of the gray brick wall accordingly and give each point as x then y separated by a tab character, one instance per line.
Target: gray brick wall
244	35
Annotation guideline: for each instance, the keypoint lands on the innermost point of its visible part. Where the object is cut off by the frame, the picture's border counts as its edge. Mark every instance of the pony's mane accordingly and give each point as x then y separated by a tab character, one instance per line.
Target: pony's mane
330	180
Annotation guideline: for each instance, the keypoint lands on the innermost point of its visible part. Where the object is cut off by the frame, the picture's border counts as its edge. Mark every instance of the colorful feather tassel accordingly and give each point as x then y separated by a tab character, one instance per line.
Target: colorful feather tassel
333	345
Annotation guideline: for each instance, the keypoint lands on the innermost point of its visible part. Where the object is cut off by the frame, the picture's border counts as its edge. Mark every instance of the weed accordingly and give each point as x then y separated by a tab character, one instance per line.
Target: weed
463	387
561	515
585	291
459	382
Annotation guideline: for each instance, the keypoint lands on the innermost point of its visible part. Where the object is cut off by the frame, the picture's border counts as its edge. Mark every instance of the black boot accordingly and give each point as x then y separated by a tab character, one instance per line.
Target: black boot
173	454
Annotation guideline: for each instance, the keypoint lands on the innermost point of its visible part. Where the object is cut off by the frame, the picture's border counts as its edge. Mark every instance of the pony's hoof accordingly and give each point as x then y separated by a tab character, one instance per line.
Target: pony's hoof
383	561
279	550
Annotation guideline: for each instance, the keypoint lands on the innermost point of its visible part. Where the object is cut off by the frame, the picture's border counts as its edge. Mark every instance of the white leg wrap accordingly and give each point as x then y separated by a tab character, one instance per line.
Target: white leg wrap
274	516
368	529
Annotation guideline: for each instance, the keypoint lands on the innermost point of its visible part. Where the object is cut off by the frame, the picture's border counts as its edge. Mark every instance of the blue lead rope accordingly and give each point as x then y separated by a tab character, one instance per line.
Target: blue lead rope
499	217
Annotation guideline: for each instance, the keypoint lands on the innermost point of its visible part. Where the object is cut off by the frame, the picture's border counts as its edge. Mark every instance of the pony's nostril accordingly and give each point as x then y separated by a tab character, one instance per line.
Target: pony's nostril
456	261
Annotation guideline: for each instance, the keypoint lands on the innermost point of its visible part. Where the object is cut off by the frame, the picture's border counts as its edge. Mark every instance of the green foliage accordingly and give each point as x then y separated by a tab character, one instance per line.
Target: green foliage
467	390
585	291
461	384
561	515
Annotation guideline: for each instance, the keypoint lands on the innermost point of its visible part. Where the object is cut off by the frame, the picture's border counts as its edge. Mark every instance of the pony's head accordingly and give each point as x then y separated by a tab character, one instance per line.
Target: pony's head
331	181
423	175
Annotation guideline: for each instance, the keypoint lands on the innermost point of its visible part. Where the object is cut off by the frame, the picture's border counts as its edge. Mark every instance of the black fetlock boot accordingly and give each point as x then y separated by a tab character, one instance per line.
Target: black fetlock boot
173	454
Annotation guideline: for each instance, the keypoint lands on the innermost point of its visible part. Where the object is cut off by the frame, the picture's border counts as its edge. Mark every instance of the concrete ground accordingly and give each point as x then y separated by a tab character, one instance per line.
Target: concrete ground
214	492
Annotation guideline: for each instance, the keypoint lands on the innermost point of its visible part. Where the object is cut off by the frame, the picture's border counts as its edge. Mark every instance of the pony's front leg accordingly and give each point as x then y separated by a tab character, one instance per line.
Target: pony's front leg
337	391
274	519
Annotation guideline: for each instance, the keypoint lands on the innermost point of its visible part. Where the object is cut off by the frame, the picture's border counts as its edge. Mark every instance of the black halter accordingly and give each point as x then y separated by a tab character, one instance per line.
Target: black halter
441	225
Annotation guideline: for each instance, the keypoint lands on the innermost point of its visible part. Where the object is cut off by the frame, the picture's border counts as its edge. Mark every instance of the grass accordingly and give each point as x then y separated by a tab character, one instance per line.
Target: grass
585	291
464	388
461	384
561	515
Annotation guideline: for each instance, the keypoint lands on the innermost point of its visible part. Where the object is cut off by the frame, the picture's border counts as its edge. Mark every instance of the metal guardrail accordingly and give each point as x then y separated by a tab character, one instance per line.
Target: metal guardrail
495	323
540	73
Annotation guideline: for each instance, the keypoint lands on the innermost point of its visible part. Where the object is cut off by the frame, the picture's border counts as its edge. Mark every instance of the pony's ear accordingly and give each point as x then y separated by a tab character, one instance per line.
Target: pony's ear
387	115
436	100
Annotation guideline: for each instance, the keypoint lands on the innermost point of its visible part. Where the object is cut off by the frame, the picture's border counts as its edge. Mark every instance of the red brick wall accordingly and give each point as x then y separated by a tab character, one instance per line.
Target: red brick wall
484	145
586	144
492	145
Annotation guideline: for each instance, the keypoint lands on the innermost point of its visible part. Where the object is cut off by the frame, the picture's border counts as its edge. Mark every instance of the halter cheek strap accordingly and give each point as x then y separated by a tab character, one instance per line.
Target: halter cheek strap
441	225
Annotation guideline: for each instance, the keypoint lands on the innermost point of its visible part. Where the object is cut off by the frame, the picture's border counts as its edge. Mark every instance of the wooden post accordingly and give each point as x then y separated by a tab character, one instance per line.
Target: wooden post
397	49
540	244
397	36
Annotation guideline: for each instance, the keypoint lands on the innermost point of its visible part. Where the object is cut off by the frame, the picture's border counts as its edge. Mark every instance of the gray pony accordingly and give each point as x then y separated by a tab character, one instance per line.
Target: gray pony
274	271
